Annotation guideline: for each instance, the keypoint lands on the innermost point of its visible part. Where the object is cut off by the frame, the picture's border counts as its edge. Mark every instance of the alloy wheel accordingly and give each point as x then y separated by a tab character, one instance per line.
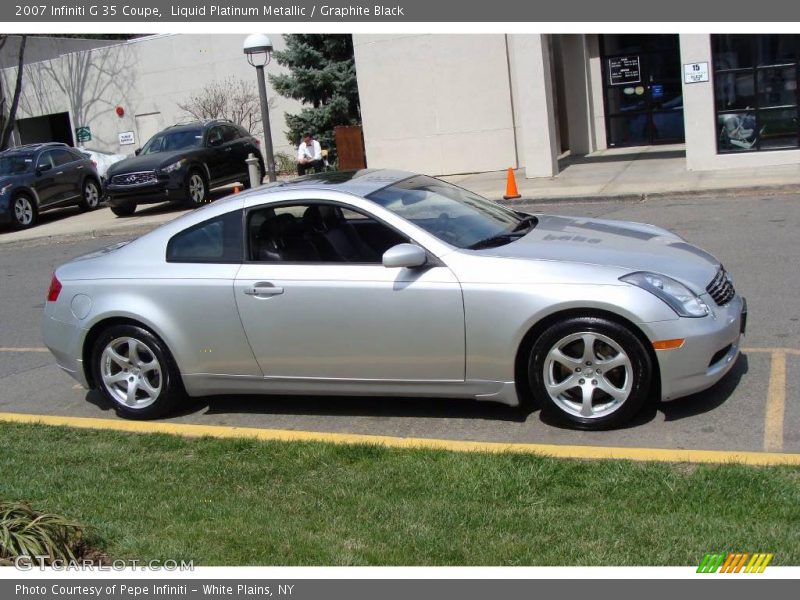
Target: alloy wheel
131	372
91	194
23	210
588	375
197	188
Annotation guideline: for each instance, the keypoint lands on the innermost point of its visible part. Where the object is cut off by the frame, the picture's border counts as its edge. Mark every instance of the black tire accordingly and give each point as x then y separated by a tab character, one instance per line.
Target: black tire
156	390
562	382
24	212
91	195
123	210
195	188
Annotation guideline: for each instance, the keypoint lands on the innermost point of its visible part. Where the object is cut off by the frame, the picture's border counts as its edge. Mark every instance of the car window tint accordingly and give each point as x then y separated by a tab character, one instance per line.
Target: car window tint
229	133
317	233
45	160
215	136
218	240
78	155
62	157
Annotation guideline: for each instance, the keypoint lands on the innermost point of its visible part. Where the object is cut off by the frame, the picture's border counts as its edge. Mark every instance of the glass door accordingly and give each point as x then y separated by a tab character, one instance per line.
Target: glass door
642	89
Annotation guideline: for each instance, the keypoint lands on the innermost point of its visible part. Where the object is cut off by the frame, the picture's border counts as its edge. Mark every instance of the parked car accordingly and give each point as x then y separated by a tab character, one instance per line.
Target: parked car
181	164
38	177
390	283
102	160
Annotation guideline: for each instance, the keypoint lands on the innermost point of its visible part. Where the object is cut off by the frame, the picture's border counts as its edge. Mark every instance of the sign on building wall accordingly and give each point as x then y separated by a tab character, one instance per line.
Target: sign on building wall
623	70
695	72
83	134
126	138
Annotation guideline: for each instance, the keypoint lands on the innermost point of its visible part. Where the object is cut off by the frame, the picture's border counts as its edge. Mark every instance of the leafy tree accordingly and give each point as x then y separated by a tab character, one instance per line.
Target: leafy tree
322	75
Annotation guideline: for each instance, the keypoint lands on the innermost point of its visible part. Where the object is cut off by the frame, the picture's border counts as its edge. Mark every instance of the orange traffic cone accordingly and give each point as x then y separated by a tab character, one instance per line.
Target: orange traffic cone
236	189
511	186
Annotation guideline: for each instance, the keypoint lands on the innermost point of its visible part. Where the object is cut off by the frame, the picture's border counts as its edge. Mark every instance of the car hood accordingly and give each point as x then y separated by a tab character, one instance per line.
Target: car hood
633	246
146	162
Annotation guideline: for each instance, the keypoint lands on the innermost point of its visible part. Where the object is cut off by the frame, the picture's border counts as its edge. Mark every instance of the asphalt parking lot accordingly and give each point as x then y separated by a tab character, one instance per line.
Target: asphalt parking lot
755	408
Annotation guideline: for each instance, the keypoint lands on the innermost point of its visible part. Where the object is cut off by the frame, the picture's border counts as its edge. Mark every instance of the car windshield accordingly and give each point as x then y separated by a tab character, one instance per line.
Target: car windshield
453	214
16	164
174	140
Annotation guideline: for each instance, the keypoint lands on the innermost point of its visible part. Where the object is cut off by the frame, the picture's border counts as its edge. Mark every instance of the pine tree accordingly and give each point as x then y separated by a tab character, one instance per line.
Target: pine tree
323	76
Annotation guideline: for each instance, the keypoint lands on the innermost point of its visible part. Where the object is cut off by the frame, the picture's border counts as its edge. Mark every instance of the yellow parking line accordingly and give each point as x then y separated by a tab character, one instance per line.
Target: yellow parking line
776	403
24	350
581	452
794	351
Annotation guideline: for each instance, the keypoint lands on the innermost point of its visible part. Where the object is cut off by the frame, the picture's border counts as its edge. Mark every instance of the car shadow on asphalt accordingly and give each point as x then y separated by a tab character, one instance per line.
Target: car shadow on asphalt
708	400
680	408
338	406
444	408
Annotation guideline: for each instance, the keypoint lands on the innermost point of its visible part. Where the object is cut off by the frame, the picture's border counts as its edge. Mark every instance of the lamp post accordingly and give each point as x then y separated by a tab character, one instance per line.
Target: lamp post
258	49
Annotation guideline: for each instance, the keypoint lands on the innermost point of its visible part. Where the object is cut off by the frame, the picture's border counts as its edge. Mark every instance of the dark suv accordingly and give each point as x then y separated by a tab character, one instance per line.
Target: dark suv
181	164
37	177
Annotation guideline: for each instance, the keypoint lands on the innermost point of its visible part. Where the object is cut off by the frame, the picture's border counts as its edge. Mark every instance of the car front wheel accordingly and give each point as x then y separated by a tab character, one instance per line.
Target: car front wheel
136	373
590	373
123	210
23	212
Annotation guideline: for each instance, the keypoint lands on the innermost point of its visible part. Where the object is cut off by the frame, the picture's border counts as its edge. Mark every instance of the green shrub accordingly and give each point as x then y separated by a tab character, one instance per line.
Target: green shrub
27	532
285	164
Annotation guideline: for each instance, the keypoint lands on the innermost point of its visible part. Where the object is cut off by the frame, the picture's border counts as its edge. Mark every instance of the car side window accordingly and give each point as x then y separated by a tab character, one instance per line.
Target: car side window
218	240
78	155
214	136
45	160
229	133
317	232
62	157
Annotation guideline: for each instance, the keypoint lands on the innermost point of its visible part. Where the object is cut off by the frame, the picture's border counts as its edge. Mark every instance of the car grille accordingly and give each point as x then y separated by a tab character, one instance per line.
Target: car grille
721	288
141	178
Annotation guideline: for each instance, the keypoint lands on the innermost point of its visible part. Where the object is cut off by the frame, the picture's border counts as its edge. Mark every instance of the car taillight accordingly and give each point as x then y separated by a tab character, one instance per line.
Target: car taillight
55	289
258	142
94	164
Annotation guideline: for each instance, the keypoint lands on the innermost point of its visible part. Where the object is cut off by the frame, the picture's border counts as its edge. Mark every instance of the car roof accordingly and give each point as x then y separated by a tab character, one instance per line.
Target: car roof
35	147
190	125
361	182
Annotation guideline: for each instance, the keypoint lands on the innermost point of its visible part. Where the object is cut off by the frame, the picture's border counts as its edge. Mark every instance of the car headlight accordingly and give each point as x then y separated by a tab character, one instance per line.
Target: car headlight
174	166
679	298
5	188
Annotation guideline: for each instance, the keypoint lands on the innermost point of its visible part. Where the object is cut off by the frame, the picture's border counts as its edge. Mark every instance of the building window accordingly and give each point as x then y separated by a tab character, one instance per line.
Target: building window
755	92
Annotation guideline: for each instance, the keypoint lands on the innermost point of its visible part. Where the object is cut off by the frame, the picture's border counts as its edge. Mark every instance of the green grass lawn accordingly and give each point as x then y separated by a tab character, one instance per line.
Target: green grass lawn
244	502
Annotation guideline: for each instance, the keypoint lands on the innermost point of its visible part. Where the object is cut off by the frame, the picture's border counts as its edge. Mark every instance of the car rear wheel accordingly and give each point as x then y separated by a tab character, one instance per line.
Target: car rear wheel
590	373
91	195
196	189
136	373
123	210
23	212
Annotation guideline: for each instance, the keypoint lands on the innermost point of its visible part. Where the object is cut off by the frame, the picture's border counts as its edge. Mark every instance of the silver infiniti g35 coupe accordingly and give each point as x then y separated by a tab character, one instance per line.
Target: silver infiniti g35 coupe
381	282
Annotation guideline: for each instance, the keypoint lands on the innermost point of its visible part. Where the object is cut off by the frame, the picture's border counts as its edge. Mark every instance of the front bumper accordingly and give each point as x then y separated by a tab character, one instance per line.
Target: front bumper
709	351
168	188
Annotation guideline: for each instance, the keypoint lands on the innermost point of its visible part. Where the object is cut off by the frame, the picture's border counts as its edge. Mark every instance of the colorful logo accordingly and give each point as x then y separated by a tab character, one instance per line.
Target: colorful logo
735	562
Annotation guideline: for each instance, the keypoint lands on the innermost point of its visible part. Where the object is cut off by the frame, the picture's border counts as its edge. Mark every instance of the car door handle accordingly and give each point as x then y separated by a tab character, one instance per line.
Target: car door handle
60	173
263	289
228	149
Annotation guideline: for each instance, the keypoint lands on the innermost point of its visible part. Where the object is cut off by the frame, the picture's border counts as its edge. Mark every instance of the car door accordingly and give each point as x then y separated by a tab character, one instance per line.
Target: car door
69	172
235	139
328	319
46	183
219	154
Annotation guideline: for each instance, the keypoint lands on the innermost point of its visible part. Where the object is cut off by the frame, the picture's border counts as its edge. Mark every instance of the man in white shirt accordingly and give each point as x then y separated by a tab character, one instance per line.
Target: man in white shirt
309	155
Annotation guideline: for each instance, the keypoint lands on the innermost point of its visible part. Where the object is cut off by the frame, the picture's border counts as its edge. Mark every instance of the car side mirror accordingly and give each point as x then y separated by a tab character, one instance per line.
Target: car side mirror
407	256
42	168
138	151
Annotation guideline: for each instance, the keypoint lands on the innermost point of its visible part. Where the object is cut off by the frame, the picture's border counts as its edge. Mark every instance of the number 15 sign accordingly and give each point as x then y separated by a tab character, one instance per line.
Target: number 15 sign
695	72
